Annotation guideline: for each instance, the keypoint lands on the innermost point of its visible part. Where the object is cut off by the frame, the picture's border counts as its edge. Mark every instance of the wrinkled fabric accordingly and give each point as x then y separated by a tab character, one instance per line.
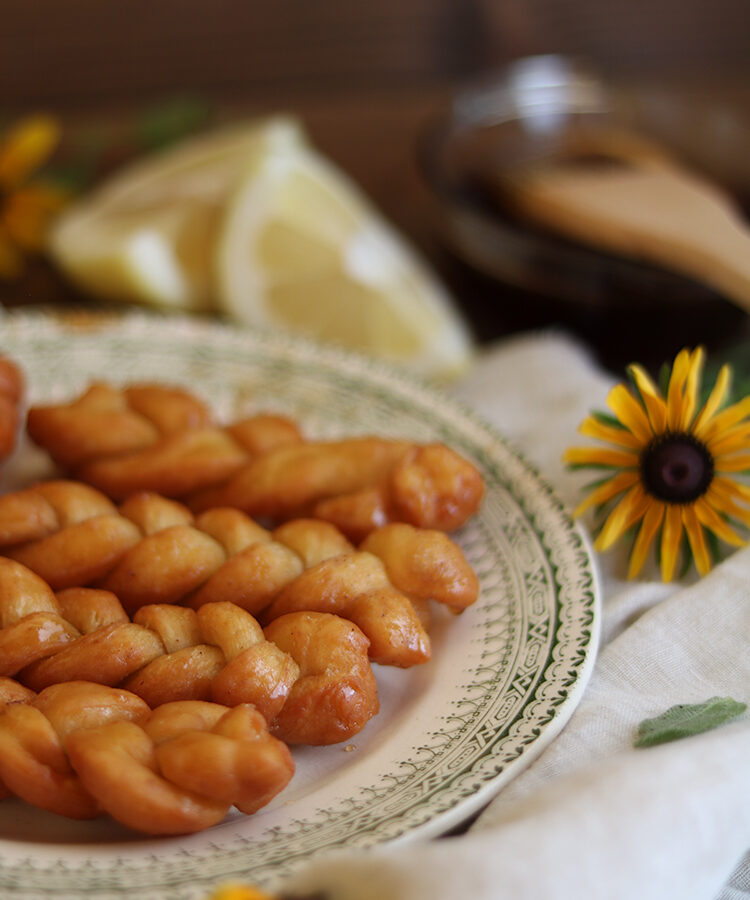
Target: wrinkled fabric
593	816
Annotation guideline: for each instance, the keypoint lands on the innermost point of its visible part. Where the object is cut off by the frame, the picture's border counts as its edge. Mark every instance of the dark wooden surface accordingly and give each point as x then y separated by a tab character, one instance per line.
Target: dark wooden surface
366	78
89	53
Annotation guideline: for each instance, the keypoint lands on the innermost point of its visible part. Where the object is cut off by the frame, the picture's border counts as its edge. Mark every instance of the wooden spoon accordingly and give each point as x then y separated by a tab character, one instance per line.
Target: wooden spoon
627	196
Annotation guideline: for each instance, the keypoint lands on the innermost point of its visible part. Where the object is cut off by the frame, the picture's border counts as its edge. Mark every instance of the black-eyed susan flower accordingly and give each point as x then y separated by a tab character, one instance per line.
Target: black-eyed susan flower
27	204
676	466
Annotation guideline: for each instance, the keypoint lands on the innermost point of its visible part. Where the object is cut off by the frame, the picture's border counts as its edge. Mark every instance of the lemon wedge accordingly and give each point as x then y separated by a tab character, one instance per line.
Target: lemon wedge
252	222
148	234
301	248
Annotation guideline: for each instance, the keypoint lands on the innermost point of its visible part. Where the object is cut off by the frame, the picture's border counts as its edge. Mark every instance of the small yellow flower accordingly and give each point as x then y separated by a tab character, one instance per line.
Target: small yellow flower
674	466
26	206
239	892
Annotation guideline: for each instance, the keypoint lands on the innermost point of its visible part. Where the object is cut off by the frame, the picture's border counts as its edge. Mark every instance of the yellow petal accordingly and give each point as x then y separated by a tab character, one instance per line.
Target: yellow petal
692	386
630	412
651	523
680	369
627	512
714	402
616	485
738	462
722	494
652	398
600	456
670	541
593	428
25	148
696	539
726	419
731	440
28	214
729	487
239	892
709	518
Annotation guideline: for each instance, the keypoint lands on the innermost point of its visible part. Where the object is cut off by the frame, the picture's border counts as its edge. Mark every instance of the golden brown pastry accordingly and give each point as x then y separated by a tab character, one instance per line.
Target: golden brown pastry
12	692
33	761
336	693
161	439
106	420
170	653
46	508
154	551
358	484
81	750
11	395
187	461
165	654
150	437
355	586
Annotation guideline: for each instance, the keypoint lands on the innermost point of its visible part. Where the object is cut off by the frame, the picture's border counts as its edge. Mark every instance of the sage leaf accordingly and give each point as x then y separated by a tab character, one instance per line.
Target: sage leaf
686	719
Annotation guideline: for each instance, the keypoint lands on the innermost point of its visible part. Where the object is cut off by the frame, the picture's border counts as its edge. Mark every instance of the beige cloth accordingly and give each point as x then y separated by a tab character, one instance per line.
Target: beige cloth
593	817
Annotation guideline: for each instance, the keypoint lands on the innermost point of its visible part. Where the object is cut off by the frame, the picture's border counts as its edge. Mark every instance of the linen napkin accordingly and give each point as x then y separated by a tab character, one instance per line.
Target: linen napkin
593	816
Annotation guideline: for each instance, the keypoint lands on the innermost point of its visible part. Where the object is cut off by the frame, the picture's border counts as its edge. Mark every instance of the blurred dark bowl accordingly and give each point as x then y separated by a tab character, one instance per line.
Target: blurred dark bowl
525	114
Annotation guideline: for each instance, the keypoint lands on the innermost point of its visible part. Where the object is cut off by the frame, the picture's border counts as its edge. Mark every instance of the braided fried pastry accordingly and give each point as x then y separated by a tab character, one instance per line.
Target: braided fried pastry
107	421
82	750
145	437
153	550
11	393
358	484
150	437
169	653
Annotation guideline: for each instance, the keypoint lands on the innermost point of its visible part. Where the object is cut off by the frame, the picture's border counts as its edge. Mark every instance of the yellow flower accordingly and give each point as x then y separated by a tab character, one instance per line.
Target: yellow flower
239	892
675	466
26	207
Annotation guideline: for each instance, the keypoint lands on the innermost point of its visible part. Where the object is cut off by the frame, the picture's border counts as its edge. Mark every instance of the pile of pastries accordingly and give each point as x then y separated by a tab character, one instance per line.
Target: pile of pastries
184	600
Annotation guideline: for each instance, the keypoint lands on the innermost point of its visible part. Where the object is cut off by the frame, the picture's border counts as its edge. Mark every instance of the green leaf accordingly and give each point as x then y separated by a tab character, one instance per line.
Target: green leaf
665	372
170	121
634	389
738	357
603	466
607	419
598	482
687	719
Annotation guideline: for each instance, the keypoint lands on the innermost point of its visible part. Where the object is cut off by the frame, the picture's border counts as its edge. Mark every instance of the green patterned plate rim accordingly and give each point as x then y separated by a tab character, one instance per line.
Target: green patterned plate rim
505	676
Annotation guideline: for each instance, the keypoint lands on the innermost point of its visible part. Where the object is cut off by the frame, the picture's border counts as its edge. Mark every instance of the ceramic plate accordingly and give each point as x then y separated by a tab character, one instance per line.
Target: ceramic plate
504	678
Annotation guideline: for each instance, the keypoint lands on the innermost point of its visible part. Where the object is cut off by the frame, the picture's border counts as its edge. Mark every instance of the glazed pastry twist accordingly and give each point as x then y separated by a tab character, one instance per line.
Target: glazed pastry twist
11	393
179	464
11	692
154	551
150	437
106	421
357	484
82	749
147	437
169	653
46	508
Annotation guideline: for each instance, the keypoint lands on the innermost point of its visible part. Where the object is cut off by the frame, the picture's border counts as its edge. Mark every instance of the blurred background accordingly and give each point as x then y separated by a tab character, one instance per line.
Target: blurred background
371	80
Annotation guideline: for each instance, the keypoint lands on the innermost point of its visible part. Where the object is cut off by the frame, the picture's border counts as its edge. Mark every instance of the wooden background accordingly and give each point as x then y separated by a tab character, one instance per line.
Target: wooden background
93	53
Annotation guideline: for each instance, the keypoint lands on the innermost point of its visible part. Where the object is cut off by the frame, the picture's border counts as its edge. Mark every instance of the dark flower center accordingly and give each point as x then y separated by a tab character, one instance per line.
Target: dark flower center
676	467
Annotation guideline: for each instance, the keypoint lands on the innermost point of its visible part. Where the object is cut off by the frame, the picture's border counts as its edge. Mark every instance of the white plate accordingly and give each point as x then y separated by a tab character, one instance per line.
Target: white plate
504	678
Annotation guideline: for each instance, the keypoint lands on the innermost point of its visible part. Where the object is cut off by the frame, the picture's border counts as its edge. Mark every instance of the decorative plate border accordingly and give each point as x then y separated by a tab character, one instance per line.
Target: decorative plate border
537	622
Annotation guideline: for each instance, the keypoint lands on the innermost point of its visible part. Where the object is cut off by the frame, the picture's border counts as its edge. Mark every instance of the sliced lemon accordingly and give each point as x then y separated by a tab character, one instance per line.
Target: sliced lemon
301	248
147	235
